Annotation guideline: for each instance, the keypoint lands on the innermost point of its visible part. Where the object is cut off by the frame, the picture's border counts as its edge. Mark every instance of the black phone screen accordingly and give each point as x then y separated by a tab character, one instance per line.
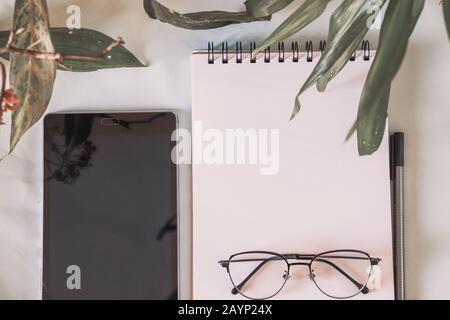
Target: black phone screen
110	206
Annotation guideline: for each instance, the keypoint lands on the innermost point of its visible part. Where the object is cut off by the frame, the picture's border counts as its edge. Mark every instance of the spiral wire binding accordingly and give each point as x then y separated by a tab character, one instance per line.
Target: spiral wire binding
225	57
295	52
267	55
252	48
239	52
309	46
309	51
366	50
210	52
281	52
322	46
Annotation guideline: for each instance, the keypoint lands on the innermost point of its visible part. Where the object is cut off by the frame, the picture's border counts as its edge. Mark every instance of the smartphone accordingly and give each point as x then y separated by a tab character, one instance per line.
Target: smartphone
110	206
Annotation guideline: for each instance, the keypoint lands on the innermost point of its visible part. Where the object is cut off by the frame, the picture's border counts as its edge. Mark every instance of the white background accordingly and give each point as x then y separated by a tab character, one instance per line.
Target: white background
419	107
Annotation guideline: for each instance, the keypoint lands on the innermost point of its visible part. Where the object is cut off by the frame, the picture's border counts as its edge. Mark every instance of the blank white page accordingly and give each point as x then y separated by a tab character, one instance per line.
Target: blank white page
324	196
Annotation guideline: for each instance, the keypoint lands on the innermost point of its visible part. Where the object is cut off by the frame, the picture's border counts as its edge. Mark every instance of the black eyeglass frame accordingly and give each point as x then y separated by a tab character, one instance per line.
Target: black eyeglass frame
296	256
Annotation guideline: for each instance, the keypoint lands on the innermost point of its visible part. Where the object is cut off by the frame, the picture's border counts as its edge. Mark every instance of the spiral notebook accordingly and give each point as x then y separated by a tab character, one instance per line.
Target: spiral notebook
262	182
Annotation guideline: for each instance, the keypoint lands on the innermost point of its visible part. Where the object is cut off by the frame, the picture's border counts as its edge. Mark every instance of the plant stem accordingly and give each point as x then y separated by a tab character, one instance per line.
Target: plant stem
9	48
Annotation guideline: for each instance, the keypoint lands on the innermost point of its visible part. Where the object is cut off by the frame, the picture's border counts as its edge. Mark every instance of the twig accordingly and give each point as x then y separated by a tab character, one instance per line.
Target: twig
9	48
2	89
3	77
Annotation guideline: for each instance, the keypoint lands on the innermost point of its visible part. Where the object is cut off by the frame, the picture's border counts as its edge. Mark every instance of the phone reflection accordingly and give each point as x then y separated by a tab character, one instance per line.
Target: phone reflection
71	151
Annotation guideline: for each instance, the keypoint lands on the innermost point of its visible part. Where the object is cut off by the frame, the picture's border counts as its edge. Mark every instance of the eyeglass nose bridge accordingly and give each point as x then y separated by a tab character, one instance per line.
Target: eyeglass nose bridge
311	274
306	264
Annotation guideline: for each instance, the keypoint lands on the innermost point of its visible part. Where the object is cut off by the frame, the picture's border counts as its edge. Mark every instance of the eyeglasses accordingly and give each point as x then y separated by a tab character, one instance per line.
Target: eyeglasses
339	274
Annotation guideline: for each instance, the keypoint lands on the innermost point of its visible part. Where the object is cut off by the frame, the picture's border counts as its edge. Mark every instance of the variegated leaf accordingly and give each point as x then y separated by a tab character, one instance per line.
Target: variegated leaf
31	79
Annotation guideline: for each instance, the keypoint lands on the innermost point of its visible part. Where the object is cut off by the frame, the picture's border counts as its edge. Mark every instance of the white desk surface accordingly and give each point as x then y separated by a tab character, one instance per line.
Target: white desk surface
419	107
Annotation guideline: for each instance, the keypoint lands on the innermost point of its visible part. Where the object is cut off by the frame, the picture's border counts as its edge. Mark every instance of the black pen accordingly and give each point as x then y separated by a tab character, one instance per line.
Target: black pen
398	222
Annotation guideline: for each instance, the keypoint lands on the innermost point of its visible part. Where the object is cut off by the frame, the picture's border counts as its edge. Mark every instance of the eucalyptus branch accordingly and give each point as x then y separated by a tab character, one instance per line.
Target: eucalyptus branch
9	48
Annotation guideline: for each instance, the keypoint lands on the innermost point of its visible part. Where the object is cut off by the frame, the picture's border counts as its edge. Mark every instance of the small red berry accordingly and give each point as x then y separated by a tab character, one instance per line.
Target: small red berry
10	100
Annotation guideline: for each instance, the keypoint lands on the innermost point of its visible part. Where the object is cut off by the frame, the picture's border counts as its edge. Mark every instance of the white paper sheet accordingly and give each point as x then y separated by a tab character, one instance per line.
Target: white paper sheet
324	196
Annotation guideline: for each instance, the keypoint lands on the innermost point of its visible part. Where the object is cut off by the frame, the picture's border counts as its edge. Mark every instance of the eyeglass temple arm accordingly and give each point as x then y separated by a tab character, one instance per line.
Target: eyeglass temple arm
236	289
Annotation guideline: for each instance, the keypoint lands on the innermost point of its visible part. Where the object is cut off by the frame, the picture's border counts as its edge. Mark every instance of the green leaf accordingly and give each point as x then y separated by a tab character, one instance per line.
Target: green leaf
349	23
91	42
348	27
446	8
31	79
399	23
264	8
197	20
309	11
85	42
